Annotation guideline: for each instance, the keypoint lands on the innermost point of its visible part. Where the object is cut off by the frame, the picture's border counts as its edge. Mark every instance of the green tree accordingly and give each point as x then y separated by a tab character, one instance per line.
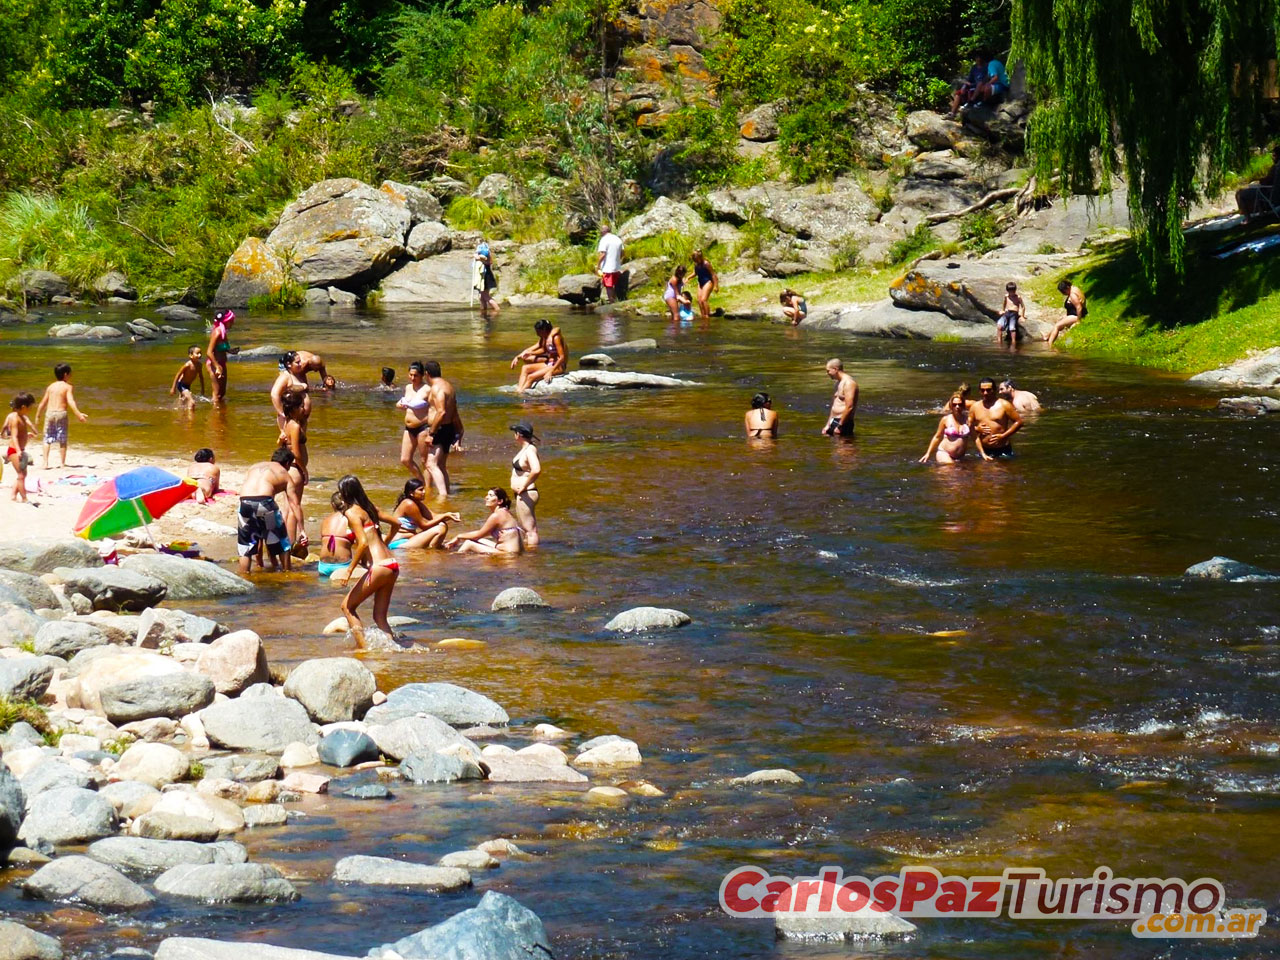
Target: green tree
1168	91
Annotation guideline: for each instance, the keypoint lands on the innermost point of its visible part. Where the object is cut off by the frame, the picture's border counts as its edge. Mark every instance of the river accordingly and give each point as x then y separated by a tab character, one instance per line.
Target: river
973	667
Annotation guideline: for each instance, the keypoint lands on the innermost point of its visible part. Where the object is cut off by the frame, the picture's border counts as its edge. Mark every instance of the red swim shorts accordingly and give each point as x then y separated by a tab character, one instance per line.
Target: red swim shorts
610	280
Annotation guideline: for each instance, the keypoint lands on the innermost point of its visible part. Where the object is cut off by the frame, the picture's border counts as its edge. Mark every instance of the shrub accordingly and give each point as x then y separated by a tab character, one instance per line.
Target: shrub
980	232
473	213
915	244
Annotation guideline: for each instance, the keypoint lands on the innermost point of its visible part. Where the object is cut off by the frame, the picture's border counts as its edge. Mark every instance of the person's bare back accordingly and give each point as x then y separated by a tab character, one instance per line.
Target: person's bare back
444	427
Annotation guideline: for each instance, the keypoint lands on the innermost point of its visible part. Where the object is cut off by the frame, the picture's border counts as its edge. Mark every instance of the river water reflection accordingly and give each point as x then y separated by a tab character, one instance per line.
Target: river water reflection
975	667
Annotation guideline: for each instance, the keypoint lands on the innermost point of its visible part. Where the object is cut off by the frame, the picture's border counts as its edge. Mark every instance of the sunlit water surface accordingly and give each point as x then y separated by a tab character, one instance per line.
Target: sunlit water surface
1086	706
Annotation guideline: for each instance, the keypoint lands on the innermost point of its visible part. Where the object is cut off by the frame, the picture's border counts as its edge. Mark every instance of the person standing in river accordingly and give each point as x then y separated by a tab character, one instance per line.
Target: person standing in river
951	440
609	262
363	519
525	470
415	403
708	283
444	427
215	357
844	405
994	419
294	367
260	522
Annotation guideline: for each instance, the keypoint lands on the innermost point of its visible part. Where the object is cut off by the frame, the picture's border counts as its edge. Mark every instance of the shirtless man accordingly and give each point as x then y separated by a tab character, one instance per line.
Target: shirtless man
260	522
444	426
995	419
1024	401
57	400
1075	309
844	405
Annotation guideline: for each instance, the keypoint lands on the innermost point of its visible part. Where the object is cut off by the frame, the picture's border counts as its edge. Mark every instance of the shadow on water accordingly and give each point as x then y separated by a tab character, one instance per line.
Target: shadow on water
970	667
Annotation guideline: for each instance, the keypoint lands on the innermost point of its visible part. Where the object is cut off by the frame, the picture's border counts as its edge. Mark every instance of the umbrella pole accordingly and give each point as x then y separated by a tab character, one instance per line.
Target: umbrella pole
146	526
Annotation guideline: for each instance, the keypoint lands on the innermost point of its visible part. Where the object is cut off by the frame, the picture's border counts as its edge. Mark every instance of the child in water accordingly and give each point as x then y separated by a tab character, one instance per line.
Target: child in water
388	379
686	307
186	375
16	430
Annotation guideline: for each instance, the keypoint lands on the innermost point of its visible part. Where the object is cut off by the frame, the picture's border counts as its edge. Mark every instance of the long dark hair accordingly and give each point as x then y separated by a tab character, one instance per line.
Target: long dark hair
351	490
504	501
410	488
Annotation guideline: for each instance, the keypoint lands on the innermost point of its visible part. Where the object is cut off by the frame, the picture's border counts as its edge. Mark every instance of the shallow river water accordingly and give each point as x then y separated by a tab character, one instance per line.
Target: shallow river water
974	667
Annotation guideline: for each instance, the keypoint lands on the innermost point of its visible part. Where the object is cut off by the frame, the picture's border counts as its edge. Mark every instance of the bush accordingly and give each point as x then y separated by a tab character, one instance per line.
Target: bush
980	232
915	244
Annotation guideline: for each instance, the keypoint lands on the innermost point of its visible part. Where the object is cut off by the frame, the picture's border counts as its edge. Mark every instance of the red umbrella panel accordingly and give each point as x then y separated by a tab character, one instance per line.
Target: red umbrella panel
133	499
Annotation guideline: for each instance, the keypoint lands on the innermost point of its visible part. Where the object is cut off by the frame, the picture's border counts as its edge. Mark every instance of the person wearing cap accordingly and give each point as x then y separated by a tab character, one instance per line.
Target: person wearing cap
216	356
525	469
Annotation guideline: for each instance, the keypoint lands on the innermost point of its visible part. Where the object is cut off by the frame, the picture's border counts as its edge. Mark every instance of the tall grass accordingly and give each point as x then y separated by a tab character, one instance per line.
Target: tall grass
41	231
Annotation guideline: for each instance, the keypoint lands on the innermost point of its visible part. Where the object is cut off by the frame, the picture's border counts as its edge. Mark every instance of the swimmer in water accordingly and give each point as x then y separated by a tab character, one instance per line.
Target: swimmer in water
336	540
500	533
417	525
186	376
761	420
388	381
954	432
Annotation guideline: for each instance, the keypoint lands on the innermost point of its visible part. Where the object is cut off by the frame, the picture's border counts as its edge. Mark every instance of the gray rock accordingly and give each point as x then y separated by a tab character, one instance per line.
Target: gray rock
346	748
832	214
1249	406
514	768
112	588
53	774
864	925
41	286
648	618
498	188
188	579
265	815
971	291
178	313
85	880
161	627
104	331
264	724
18	626
140	856
444	278
579	288
12	805
761	124
141	332
498	928
45	554
226	883
171	695
593	360
63	638
1005	123
516	598
19	943
643	345
932	131
68	815
884	318
160	825
69	331
455	705
24	678
359	791
428	240
428	767
31	588
1223	568
604	380
246	768
332	689
267	351
407	735
342	298
234	662
384	872
130	798
775	775
913	197
1258	371
665	216
942	165
113	283
194	948
21	734
422	206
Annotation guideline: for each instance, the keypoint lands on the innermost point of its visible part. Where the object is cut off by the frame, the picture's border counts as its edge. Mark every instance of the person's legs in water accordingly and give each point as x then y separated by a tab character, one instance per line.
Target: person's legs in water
427	539
524	506
408	446
382	603
478	546
364	588
437	469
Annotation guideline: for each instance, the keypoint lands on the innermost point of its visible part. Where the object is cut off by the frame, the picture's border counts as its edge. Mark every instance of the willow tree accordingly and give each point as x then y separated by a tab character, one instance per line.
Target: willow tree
1172	92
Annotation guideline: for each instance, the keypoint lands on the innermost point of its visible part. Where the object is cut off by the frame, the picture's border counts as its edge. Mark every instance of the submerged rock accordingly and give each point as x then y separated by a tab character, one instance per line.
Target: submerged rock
648	618
498	928
768	776
518	598
195	948
607	751
84	880
1250	406
1224	568
384	872
603	380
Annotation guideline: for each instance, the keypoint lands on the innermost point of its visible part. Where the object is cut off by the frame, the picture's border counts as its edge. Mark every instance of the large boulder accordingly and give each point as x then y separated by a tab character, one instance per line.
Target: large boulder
46	554
342	232
234	662
445	278
113	283
498	188
111	588
497	928
22	943
429	239
884	318
332	688
141	856
188	579
455	705
385	872
18	625
267	724
99	668
970	291
155	764
577	380
68	815
409	735
579	288
253	270
1224	568
12	805
24	678
1260	370
41	286
66	638
684	22
832	214
665	216
84	880
30	587
428	767
930	130
161	627
226	883
171	695
520	767
422	206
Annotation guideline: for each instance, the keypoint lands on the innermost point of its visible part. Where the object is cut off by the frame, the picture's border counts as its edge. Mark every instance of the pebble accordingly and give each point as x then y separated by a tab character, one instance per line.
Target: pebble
641	788
768	776
500	847
299	755
611	796
462	643
549	731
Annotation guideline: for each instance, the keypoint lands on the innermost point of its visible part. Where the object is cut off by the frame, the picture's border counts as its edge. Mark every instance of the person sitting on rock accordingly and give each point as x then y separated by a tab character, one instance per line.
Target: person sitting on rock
996	85
1013	312
968	87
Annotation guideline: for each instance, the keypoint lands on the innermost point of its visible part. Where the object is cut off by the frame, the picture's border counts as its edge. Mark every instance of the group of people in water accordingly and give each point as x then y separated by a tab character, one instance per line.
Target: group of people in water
988	423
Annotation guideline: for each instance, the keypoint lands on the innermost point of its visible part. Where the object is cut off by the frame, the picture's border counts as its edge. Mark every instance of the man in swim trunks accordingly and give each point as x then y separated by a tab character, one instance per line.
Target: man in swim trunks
260	522
995	419
186	376
444	426
844	405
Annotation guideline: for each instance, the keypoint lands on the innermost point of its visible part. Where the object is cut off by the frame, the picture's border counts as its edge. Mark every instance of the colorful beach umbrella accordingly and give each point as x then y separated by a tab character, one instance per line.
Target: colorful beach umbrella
133	499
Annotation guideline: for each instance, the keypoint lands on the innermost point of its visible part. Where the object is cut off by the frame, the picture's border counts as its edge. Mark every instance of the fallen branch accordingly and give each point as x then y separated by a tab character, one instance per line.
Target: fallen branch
151	240
216	110
995	196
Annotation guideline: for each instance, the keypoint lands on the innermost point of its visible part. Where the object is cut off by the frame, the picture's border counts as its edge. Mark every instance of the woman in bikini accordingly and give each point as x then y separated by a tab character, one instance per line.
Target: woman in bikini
336	540
708	283
215	357
525	470
294	436
761	420
416	404
954	432
674	291
547	358
292	380
417	525
380	580
501	533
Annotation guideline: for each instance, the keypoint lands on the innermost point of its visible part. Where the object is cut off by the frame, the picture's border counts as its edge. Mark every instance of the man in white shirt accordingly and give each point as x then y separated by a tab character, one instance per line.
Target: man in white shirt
609	266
